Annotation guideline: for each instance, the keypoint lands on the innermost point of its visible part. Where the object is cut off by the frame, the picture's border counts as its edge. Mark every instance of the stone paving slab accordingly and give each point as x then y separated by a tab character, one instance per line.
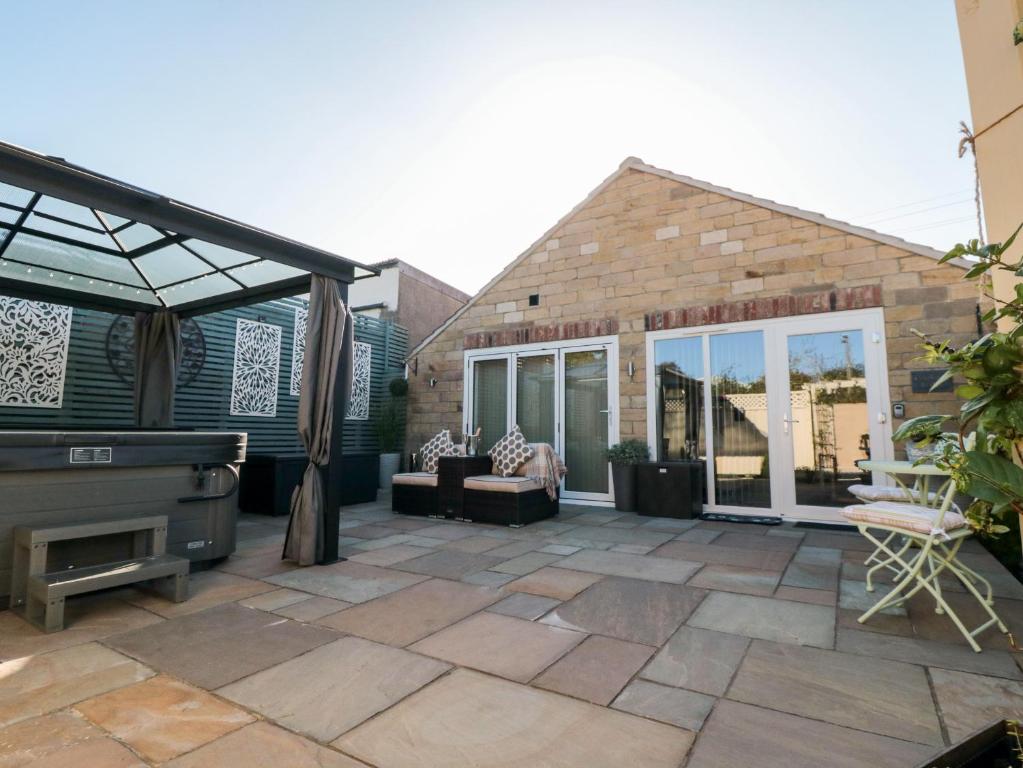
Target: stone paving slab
469	720
401	618
885	697
596	669
559	583
222	644
767	618
312	609
765	560
645	567
205	590
512	648
59	740
86	618
933	654
527	563
449	564
348	581
638	611
162	718
523	605
734	578
697	659
674	706
37	685
735	732
970	702
333	688
262	745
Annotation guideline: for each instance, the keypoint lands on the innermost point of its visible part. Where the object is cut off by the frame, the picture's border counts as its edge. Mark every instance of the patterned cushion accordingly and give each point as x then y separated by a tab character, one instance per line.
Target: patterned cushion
439	445
911	517
887	493
510	453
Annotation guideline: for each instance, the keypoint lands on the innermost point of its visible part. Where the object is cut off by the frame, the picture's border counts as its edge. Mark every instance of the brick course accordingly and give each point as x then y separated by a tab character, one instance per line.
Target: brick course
732	260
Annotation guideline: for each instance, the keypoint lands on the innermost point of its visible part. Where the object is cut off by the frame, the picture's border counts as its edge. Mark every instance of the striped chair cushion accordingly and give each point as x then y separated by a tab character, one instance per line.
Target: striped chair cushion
910	517
888	493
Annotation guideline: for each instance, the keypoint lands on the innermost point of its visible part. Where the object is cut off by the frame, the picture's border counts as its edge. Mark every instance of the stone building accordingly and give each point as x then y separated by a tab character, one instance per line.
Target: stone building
773	343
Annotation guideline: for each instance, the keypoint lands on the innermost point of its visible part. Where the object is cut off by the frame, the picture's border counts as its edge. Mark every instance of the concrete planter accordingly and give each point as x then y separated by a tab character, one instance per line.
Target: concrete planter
624	478
390	463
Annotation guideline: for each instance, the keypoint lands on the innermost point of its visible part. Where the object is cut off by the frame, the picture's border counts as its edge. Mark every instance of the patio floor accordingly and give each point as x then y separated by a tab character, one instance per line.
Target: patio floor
593	639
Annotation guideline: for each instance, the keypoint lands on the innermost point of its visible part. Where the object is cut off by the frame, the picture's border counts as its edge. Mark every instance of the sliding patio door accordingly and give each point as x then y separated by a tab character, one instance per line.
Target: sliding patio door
562	394
780	410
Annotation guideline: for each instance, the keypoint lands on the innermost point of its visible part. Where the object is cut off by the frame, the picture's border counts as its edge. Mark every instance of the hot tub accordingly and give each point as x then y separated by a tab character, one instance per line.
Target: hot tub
60	477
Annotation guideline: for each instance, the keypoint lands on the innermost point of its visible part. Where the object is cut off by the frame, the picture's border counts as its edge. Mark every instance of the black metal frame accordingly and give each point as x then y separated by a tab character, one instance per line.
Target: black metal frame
41	176
177	222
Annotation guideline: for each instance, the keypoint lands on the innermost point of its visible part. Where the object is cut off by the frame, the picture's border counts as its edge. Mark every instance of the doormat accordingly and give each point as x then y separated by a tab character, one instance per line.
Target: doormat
740	519
827	526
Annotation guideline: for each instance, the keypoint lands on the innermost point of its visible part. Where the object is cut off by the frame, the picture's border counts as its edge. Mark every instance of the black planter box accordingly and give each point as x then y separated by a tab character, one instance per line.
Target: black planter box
267	481
992	747
670	488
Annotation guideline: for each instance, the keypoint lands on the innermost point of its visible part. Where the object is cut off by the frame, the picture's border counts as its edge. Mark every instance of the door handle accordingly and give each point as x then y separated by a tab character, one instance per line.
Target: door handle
786	421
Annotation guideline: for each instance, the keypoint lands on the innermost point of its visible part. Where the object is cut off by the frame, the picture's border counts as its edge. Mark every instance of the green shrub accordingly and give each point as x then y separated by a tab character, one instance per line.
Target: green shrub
628	452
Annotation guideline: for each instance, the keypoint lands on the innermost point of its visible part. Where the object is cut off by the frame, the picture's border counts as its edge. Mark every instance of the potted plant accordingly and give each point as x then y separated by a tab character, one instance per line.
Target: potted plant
990	467
389	428
624	457
923	435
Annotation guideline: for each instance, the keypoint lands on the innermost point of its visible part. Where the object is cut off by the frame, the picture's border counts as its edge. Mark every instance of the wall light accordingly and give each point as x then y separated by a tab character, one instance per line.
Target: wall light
433	383
630	368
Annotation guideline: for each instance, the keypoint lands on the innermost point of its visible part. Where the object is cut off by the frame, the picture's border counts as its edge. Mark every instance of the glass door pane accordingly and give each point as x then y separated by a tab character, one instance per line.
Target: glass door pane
586	421
535	397
828	416
738	406
678	389
490	400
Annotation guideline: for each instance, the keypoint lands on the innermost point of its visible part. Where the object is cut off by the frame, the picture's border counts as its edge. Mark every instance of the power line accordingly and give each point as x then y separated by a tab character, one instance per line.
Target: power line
934	224
910	205
922	210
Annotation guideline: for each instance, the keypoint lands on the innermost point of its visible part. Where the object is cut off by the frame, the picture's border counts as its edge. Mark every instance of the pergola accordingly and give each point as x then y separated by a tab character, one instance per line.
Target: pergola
72	236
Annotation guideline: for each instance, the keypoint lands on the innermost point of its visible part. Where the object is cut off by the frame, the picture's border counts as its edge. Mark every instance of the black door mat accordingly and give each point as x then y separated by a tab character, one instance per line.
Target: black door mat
827	526
716	516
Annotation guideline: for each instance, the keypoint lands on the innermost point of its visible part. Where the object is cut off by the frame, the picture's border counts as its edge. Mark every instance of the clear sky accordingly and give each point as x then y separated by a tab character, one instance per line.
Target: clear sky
453	134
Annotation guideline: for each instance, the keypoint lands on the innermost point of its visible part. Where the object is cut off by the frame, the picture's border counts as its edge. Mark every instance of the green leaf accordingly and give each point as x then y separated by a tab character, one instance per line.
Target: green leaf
978	269
969	391
921	427
1003	247
942	379
974	406
994	478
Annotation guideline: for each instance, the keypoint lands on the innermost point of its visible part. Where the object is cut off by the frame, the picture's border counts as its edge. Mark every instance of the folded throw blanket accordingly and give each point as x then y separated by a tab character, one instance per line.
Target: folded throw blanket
546	467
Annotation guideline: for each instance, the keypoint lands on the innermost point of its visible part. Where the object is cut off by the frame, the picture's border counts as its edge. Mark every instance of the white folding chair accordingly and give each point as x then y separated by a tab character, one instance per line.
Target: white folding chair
932	537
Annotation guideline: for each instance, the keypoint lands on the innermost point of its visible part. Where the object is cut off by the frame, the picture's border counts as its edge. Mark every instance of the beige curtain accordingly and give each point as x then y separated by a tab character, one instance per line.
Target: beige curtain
157	359
329	341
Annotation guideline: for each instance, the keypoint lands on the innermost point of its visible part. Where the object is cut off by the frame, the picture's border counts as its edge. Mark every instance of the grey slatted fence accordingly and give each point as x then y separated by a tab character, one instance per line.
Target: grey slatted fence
96	397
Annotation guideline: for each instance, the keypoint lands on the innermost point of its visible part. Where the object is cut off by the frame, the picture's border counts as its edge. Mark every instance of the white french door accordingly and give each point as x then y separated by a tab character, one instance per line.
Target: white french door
562	393
780	410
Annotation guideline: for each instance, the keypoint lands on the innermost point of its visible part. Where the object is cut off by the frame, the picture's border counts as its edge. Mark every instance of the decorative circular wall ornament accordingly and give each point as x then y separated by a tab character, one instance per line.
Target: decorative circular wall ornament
121	350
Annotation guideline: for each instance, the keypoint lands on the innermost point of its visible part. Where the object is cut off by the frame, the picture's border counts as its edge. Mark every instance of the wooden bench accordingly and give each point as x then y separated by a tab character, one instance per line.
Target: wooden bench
38	594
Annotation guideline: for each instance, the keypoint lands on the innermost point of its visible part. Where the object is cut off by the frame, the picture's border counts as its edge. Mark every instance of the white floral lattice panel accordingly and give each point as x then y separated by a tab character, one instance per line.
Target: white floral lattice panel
257	358
34	340
358	406
298	350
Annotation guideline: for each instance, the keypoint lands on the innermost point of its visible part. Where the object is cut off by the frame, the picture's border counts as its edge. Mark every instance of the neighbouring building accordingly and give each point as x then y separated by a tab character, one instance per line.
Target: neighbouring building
407	296
772	343
993	56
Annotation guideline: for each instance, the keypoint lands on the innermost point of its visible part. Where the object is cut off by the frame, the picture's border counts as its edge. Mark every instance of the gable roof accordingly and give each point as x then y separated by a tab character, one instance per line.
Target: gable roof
635	164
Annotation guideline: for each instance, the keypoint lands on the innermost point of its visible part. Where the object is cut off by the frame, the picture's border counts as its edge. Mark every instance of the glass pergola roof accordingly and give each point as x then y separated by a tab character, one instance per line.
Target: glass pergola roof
74	236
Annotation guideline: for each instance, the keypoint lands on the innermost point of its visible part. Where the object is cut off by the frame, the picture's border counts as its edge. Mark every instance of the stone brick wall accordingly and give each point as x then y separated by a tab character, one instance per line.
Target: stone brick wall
647	247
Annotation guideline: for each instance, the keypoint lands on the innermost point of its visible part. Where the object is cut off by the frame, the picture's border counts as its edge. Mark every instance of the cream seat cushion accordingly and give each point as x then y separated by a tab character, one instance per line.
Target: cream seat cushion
499	484
887	493
911	517
415	478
